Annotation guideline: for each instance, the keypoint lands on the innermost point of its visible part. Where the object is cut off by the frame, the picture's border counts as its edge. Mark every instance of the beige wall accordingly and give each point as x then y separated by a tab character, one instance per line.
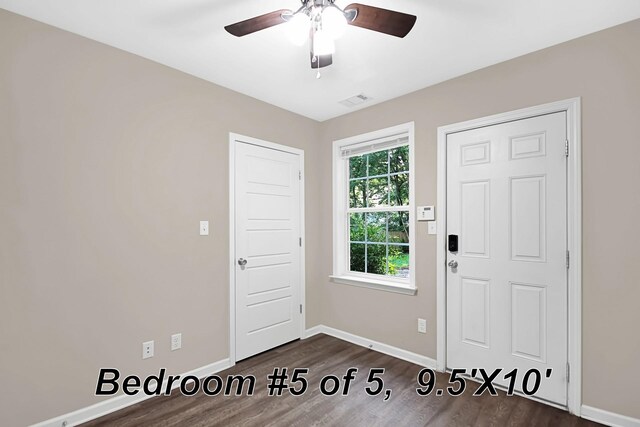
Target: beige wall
604	69
107	163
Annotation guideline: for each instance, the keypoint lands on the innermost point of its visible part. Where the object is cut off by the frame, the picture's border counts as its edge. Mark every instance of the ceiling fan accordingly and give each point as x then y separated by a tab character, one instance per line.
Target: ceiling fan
322	21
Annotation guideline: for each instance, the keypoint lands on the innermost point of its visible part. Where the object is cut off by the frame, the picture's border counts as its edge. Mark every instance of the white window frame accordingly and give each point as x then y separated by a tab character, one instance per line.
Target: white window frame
341	273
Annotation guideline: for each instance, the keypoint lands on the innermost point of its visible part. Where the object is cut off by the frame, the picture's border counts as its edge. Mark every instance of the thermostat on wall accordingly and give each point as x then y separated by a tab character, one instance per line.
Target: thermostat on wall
426	213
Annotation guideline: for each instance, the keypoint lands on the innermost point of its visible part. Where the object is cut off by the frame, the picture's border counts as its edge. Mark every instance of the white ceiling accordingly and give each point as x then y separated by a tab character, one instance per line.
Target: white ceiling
450	38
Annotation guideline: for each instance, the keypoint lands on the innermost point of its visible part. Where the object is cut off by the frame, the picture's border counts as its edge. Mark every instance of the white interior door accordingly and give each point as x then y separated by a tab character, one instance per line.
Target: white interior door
507	298
267	248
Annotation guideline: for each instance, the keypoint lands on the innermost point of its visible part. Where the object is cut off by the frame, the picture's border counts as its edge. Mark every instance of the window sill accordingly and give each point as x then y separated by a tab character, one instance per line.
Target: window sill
374	284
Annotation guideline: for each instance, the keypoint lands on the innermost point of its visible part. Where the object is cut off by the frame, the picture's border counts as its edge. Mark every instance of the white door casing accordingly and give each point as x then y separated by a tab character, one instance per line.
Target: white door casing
267	278
572	109
507	299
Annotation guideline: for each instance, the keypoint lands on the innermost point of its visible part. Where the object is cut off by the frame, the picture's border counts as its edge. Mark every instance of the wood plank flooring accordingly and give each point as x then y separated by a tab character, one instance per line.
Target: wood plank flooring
325	355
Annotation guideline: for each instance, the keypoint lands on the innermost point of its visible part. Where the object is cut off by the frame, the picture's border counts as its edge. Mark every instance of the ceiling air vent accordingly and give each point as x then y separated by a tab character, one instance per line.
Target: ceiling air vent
355	100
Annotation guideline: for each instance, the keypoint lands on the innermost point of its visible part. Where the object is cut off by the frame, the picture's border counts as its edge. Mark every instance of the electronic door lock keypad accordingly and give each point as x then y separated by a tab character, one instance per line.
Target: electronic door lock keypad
453	243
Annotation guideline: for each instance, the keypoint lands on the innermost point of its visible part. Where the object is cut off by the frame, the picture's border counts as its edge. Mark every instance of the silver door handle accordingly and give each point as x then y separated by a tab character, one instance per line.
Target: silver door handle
242	262
453	264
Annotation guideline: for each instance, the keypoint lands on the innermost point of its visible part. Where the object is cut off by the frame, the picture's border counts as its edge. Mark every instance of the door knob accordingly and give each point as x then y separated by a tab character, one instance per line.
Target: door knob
453	264
242	262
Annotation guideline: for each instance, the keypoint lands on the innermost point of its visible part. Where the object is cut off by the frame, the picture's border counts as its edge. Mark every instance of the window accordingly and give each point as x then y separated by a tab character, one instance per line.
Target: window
373	210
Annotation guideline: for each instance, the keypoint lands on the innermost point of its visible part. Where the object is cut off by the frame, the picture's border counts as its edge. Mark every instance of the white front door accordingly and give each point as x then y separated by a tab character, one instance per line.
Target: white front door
507	298
267	248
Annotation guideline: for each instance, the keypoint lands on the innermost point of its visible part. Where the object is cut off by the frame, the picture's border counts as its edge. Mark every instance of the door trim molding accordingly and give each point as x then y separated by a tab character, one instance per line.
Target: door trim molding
234	139
574	232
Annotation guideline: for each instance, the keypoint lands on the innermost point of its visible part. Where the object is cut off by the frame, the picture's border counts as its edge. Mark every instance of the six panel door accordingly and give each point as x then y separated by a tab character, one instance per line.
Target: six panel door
507	299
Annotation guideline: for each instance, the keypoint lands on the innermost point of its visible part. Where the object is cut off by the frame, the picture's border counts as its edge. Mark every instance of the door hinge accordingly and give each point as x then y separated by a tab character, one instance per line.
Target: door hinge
568	260
300	308
566	148
300	175
300	241
568	372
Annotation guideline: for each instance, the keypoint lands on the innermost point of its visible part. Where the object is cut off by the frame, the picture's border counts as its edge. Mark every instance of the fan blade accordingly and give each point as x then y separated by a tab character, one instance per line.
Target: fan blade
381	20
258	23
325	61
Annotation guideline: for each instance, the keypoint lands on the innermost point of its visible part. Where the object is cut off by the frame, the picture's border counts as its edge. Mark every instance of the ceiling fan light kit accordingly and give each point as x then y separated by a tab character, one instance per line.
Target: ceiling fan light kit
322	21
298	28
323	43
333	21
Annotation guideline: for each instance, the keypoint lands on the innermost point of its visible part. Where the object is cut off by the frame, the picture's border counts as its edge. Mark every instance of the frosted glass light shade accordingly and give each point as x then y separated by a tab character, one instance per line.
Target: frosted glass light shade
334	22
298	29
323	43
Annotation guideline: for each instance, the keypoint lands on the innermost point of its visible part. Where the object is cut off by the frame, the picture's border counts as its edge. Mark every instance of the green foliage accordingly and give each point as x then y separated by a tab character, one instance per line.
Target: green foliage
357	167
357	189
376	259
400	258
399	159
357	257
370	230
379	179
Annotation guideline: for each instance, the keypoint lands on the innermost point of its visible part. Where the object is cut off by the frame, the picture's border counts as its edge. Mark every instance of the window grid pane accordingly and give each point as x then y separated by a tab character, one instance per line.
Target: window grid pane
377	248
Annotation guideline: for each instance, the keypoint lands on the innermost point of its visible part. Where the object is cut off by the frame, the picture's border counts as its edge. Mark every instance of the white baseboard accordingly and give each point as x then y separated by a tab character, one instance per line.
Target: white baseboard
588	412
314	331
373	345
122	401
608	418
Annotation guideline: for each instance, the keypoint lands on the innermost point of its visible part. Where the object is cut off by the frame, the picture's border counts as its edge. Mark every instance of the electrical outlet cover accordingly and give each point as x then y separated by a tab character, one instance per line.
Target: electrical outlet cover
176	341
147	349
204	228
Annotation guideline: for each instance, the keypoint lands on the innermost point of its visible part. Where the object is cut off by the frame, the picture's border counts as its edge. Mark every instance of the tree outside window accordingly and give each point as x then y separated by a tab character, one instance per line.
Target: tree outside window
378	212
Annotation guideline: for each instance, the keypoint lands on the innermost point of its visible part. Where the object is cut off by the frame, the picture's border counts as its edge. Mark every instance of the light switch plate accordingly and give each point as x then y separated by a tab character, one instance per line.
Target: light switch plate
432	227
422	326
426	213
204	228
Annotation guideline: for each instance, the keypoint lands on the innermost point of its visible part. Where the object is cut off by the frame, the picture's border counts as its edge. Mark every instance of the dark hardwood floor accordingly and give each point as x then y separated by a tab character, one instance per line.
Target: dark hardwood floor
325	355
